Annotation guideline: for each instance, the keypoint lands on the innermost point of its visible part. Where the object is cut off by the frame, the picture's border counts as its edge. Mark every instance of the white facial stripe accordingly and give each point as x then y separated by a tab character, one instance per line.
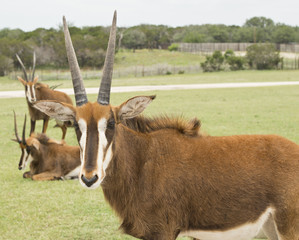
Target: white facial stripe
102	125
108	158
25	156
27	159
31	94
83	128
28	94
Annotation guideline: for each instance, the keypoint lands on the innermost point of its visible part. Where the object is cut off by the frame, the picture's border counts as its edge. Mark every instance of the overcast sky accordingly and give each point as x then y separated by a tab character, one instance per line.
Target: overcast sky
31	14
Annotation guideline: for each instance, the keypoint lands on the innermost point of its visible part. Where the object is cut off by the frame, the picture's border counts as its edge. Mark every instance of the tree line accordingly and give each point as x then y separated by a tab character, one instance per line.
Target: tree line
90	42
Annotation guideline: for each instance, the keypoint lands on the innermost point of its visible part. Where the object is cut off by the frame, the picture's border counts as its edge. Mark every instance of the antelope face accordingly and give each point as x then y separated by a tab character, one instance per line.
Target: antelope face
28	84
29	89
27	146
95	127
95	131
26	157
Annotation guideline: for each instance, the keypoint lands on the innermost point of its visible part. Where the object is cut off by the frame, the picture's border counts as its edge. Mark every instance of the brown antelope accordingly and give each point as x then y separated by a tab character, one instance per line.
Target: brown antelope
48	159
164	182
35	91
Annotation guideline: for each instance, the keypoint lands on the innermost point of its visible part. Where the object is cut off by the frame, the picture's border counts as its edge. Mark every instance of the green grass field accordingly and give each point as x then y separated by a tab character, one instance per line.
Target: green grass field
65	210
126	58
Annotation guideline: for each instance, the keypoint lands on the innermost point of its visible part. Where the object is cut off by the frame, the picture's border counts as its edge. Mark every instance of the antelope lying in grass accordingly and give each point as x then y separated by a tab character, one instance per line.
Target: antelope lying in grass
35	91
164	183
48	159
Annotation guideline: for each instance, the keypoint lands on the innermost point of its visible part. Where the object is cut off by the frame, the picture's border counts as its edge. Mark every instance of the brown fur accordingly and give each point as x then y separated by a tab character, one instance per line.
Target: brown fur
206	183
162	181
52	160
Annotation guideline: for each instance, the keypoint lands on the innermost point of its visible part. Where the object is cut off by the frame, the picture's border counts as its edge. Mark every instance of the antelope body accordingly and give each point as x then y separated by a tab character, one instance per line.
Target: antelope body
167	180
35	91
48	159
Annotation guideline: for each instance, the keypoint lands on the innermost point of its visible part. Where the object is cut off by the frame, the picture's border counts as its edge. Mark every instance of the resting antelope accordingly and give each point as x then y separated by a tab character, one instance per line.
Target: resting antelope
164	183
48	159
35	91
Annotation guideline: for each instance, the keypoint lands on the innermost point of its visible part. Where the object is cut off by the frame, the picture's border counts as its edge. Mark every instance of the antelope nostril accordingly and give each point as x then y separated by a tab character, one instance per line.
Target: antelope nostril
88	182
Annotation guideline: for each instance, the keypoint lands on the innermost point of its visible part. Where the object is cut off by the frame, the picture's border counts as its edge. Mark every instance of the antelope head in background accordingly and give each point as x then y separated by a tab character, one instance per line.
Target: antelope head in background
29	84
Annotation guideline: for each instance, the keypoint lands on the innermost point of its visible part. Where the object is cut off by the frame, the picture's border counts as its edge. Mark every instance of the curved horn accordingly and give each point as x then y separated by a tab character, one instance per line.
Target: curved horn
23	135
33	69
104	92
23	67
79	89
16	129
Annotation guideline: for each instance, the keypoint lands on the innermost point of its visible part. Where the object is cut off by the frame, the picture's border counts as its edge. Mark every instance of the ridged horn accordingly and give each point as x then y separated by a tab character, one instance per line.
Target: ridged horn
104	91
23	67
33	68
16	128
80	94
24	128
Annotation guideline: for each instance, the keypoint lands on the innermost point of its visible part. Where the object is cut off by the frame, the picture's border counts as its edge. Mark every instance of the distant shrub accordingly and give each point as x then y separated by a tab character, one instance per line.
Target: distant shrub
213	63
173	47
218	62
229	53
235	62
168	73
263	56
181	72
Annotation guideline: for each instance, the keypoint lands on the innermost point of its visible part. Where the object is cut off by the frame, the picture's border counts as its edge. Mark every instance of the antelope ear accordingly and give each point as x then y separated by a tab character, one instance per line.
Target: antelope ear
22	81
133	107
35	80
60	111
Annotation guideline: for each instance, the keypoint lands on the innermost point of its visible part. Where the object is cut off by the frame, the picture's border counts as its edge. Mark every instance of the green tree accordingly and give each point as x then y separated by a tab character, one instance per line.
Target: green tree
284	34
134	39
261	28
6	65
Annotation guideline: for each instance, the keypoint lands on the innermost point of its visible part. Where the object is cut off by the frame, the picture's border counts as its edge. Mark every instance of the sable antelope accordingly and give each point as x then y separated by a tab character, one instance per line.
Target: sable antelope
48	159
35	91
164	183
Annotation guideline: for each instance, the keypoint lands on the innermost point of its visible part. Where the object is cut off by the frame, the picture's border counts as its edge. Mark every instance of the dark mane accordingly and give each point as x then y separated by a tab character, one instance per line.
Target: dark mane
147	125
42	138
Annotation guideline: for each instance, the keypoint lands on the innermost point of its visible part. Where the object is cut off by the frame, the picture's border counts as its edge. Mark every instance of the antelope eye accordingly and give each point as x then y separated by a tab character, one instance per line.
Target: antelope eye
111	124
76	126
27	149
